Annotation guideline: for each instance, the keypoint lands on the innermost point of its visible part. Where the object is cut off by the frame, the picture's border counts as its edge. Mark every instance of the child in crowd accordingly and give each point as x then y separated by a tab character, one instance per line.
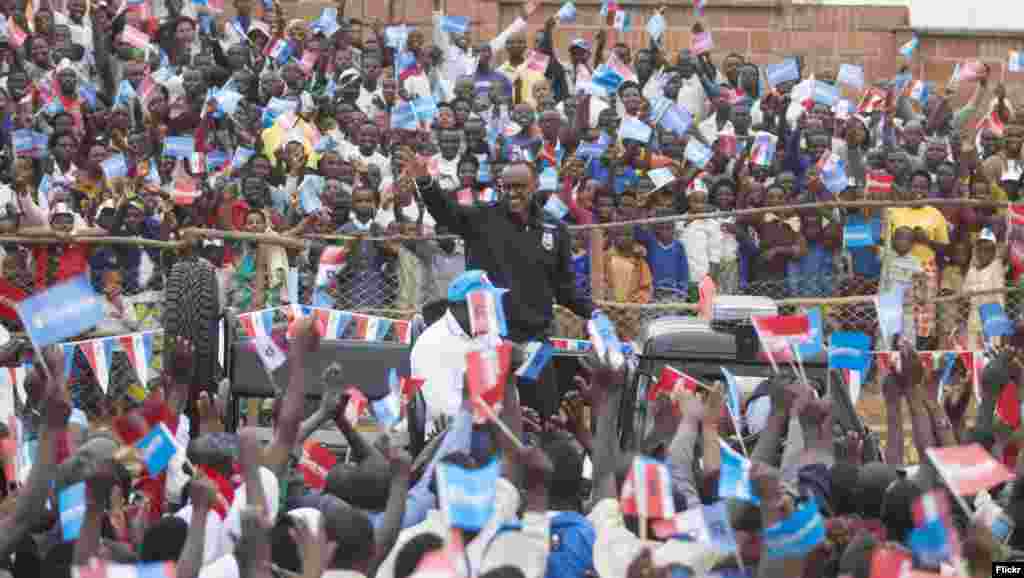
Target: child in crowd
628	277
702	237
985	274
953	276
667	259
904	272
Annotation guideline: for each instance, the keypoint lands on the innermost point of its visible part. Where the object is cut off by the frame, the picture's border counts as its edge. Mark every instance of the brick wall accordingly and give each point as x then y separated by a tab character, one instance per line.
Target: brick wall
762	30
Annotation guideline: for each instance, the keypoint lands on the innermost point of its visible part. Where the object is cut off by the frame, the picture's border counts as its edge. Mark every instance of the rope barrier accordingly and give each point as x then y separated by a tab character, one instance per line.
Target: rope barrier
296	242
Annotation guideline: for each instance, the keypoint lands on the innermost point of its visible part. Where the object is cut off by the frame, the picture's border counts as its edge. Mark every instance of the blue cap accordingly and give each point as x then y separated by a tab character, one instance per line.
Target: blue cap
466	283
580	43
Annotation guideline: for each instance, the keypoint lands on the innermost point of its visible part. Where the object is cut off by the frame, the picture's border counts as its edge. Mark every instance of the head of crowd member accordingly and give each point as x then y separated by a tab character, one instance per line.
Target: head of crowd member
990	143
271	85
474	130
255	192
412	552
445	118
934	154
985	249
541	91
898	165
484	55
524	116
686	63
604	207
518	182
981	186
913	136
364	205
194	82
673	84
184	32
731	68
369	138
817	143
629	93
516	48
608	121
945	177
644	64
462	109
449	141
579	52
550	125
468	172
622	51
338	198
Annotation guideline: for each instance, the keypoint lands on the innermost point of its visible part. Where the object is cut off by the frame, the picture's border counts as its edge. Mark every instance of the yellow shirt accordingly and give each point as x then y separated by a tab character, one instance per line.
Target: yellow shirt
928	218
529	78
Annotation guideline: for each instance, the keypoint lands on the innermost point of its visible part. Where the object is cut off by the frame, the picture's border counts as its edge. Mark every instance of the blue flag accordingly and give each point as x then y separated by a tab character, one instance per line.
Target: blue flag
64	310
857	235
890	315
179	147
849	350
71	502
732	397
309	193
930	543
816	343
157	449
455	24
635	130
994	322
467	496
403	117
115	166
734	476
825	93
677	119
797	535
538	354
785	71
607	79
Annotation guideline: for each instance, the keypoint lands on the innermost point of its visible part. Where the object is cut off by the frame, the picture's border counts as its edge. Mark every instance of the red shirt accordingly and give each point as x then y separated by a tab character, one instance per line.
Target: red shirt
73	261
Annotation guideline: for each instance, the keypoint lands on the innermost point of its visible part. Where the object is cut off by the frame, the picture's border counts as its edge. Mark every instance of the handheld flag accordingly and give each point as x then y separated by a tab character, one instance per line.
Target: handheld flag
656	27
486	374
858	235
890	314
314	464
538	354
785	71
157	449
697	153
623	21
969	469
672	380
704	524
851	75
763	151
732	401
734	477
71	502
269	352
994	321
1016	63
603	337
647	491
332	262
797	535
63	310
567	13
486	312
357	403
778	333
907	50
455	24
701	43
849	350
466	496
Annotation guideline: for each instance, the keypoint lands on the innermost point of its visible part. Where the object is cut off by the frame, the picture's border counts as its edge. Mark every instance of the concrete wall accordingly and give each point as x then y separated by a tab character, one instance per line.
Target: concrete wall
825	32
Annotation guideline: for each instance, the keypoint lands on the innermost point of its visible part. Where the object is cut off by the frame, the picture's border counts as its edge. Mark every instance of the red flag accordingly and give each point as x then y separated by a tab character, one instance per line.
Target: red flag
10	295
487	372
315	463
647	491
357	403
779	332
1008	406
670	381
879	183
225	491
706	304
968	469
890	562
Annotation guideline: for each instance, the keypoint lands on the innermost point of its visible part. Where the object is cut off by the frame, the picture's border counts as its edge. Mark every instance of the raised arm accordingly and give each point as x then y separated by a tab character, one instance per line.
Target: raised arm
31	502
290	417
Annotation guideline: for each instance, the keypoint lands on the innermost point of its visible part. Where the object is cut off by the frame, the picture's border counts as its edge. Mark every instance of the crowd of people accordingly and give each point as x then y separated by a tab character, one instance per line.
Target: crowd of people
436	163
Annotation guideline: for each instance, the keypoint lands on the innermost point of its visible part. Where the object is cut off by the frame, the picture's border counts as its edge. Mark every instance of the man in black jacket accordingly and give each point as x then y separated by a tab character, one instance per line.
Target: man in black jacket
522	251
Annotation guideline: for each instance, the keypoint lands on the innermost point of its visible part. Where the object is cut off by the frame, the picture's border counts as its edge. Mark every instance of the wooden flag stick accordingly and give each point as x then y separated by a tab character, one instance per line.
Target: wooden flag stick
487	409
